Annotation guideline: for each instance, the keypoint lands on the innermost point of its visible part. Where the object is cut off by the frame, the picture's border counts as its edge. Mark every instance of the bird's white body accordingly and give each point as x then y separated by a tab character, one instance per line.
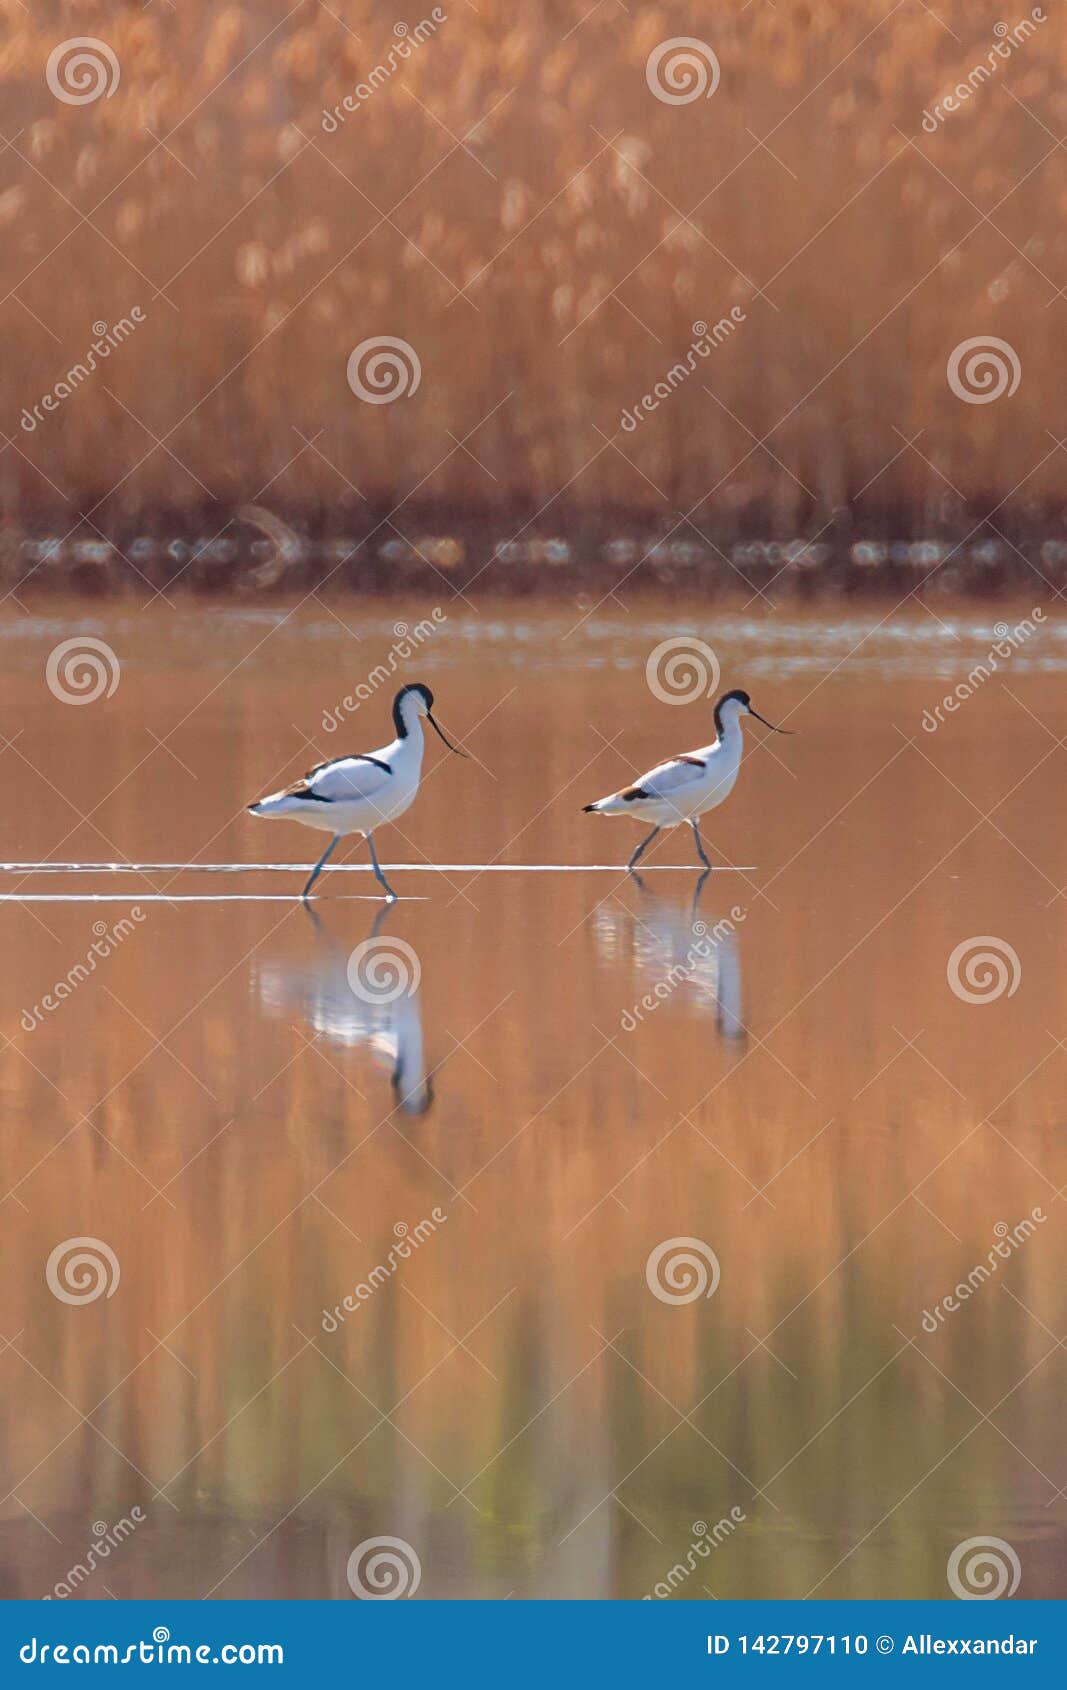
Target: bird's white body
683	788
355	794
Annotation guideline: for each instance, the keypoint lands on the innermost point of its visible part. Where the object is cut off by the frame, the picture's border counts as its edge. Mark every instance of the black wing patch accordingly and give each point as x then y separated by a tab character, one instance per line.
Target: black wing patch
302	789
352	757
697	762
634	792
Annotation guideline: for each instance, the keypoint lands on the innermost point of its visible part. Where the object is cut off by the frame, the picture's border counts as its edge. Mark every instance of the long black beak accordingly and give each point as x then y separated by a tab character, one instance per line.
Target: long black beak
765	722
444	736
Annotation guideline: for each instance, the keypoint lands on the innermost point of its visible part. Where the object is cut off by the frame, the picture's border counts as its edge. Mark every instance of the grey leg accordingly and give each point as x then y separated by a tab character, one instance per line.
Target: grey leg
320	865
379	876
641	849
701	853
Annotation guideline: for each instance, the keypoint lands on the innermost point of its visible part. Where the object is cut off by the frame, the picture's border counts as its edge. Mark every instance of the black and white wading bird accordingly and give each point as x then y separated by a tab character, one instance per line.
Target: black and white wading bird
685	788
356	794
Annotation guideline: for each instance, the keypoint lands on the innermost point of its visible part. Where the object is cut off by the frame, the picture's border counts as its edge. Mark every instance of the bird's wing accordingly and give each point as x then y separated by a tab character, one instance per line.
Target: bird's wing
345	778
668	779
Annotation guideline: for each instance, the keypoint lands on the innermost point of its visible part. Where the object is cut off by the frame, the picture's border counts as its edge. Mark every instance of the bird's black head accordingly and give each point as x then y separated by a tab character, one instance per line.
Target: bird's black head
742	707
738	697
413	701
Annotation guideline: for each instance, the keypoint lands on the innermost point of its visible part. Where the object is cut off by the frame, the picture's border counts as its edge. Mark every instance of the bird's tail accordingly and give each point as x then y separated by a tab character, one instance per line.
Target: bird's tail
277	804
608	806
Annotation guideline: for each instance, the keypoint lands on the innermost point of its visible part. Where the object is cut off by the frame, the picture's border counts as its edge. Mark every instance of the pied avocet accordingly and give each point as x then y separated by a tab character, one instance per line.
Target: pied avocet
355	794
684	788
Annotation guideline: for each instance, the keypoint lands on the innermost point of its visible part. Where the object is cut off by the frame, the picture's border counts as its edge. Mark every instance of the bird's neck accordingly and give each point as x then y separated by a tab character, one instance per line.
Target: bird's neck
410	738
730	733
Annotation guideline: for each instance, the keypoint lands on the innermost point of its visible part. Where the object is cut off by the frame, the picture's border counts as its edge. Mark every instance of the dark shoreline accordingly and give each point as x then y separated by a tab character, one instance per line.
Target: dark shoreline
238	555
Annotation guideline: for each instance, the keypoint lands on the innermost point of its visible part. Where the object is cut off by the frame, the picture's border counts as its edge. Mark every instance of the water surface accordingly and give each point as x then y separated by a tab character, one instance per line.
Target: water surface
575	1076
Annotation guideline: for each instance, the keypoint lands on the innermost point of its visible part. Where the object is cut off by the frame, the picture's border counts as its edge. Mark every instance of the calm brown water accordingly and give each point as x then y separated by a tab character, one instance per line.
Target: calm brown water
803	1094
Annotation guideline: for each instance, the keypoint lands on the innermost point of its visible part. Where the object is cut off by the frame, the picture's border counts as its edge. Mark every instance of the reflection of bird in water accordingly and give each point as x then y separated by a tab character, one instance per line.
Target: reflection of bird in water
368	996
678	951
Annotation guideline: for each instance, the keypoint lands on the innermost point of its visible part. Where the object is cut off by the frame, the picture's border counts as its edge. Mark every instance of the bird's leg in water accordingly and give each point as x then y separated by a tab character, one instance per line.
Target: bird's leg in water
699	843
641	849
379	876
321	864
699	889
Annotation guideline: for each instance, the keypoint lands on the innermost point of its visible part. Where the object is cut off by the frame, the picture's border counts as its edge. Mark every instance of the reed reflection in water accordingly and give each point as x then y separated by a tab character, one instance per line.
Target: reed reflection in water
811	1100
